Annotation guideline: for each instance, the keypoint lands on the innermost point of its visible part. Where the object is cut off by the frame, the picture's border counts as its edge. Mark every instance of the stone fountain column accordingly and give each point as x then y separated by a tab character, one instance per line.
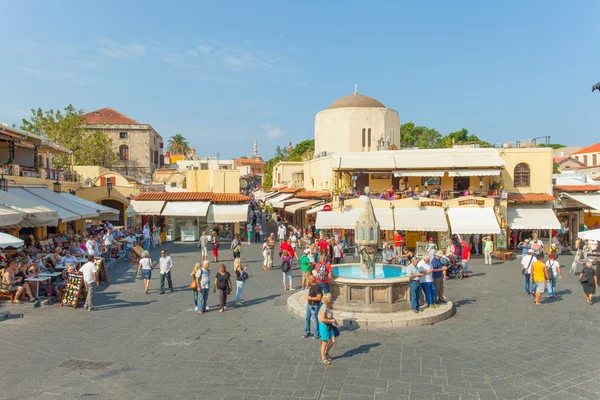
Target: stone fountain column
366	236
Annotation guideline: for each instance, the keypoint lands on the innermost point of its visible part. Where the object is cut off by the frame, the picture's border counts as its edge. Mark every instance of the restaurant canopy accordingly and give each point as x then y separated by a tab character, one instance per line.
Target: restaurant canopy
35	214
425	219
105	213
63	214
64	202
144	207
280	197
299	206
474	172
473	220
10	217
7	240
285	203
532	216
591	200
186	208
590	235
227	213
347	219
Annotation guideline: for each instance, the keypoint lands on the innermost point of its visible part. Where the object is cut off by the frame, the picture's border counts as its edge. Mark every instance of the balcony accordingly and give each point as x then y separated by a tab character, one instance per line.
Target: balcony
20	175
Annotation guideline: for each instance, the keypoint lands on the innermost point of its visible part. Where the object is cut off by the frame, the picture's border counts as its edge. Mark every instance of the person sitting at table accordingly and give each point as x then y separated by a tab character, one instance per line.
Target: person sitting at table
26	270
75	248
436	191
68	258
409	192
60	286
53	259
20	277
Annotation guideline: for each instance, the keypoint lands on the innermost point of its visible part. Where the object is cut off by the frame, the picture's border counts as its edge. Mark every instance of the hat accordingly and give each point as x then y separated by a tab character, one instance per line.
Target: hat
530	251
306	251
439	253
526	240
431	239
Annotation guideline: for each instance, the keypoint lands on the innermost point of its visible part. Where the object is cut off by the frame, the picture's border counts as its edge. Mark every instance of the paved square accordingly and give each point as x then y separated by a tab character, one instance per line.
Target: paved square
499	345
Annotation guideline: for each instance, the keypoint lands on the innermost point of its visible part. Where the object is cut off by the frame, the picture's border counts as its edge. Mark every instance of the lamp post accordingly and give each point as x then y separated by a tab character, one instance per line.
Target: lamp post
109	186
56	186
3	183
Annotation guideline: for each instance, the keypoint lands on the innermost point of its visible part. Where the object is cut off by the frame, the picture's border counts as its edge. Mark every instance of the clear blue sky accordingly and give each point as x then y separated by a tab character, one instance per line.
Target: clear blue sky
223	72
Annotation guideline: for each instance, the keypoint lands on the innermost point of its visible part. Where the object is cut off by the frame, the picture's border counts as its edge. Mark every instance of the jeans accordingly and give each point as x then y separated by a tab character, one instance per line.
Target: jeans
256	237
552	287
108	254
324	286
488	256
127	251
476	248
203	299
91	294
162	281
197	296
529	286
289	276
415	289
147	244
311	312
239	290
429	291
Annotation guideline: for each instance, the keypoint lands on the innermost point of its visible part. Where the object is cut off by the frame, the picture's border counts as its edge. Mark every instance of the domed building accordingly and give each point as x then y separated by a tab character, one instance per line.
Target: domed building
356	123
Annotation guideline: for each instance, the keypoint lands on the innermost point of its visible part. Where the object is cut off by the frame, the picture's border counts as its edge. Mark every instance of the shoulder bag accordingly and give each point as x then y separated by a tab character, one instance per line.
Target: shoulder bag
524	270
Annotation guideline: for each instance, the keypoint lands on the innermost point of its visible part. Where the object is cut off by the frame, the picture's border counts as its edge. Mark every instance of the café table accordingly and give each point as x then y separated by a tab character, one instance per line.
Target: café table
50	274
38	279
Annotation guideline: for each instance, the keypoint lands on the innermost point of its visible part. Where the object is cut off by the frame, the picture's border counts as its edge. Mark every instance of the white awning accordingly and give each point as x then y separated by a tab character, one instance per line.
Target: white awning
299	206
316	209
347	219
35	214
224	213
474	172
472	220
63	214
104	211
284	203
280	197
144	207
10	217
186	208
590	235
592	200
427	219
424	172
7	240
532	216
61	201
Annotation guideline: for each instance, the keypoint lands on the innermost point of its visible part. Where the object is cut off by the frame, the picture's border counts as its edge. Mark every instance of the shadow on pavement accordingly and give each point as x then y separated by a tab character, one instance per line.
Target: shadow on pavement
463	302
260	300
477	274
362	349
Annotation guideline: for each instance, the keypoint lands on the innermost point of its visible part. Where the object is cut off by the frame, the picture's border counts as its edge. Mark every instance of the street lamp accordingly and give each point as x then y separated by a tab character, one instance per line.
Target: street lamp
56	186
4	183
109	186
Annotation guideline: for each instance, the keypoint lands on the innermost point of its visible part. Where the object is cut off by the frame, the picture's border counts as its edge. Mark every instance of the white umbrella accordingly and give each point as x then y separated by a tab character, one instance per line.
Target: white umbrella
590	235
7	240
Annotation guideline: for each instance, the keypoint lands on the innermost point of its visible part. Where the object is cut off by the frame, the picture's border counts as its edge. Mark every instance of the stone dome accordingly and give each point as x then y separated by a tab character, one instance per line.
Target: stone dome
356	100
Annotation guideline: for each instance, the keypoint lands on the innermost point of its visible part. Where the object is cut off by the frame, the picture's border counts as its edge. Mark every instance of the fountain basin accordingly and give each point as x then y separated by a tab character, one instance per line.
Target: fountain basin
387	291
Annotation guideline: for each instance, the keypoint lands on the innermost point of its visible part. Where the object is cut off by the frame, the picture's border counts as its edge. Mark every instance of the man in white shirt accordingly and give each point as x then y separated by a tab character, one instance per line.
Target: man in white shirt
129	244
110	226
166	264
108	240
203	245
68	259
91	246
526	263
427	281
281	233
146	233
88	270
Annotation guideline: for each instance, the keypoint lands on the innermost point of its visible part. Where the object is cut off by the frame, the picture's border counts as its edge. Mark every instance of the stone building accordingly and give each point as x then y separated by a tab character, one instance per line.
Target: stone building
138	145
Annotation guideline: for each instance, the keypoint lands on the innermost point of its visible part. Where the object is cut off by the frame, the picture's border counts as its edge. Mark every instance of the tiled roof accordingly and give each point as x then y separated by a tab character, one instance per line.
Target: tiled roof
248	161
535	197
559	159
290	190
108	116
314	194
595	148
193	196
577	188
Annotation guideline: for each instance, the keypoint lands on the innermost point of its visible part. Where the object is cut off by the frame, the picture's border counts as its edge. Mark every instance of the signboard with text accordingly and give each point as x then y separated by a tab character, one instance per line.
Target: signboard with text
468	202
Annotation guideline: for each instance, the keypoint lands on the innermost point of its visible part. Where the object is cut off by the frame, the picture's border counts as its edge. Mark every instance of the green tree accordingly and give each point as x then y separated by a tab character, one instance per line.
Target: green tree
553	146
301	150
297	153
267	181
556	168
65	128
178	144
419	136
461	137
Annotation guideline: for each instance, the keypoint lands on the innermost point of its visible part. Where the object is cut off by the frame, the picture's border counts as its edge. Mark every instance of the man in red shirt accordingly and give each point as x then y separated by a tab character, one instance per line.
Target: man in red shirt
398	243
466	256
323	272
323	246
287	245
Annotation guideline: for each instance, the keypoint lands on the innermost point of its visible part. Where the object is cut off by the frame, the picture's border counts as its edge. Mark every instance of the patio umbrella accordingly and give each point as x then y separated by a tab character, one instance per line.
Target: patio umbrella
590	235
7	240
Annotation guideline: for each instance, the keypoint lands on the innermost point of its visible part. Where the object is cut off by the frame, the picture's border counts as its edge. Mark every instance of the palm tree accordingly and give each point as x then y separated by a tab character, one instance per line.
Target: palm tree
178	144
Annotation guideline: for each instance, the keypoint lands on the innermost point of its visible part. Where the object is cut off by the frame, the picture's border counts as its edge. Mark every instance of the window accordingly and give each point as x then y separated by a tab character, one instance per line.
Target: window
173	184
204	166
363	138
123	135
369	139
594	160
577	158
124	152
522	175
155	156
371	232
363	233
585	160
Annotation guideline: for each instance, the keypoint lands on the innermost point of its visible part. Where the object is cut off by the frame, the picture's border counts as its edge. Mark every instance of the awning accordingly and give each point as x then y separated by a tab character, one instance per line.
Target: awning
61	201
424	172
144	207
63	214
347	219
280	197
316	209
299	206
186	208
35	214
592	200
104	211
472	220
225	213
474	172
7	240
10	217
532	216
427	219
590	235
284	203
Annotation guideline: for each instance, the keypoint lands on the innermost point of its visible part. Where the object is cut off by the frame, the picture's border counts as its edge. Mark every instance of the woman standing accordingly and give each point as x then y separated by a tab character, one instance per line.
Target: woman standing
197	293
234	244
266	252
554	273
223	284
328	329
215	246
145	269
286	268
240	279
589	281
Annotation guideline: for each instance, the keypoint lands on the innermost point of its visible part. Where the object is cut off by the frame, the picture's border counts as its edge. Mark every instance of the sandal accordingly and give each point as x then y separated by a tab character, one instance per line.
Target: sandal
326	361
17	302
328	357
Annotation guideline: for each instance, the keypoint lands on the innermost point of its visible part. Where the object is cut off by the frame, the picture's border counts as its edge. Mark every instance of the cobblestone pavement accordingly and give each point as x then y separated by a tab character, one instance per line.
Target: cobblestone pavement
499	345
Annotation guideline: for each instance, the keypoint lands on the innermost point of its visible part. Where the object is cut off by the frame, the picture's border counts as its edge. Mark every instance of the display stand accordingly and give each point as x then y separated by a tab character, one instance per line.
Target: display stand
101	274
421	249
72	290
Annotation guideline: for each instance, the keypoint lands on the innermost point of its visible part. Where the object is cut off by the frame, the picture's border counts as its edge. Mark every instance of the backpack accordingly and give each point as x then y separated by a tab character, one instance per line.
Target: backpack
285	266
244	276
550	270
321	272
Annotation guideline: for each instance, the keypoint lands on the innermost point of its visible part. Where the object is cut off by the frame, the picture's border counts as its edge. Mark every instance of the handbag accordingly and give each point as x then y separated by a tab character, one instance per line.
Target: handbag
524	270
193	284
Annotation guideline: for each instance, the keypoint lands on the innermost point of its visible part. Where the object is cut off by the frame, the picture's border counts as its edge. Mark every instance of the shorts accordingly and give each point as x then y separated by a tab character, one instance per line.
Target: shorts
328	331
204	251
146	273
249	235
540	286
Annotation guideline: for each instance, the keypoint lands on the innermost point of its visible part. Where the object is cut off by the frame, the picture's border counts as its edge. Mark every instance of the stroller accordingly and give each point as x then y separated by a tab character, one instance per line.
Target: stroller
454	267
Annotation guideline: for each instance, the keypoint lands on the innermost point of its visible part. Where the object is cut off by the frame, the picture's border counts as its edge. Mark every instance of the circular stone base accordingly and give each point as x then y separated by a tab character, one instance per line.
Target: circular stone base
402	319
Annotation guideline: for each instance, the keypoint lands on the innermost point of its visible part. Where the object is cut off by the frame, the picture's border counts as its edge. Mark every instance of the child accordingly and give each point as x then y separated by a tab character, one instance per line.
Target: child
328	329
466	256
286	268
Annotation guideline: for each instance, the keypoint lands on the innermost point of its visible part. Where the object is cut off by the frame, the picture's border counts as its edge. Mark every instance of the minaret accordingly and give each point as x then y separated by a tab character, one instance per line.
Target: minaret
255	153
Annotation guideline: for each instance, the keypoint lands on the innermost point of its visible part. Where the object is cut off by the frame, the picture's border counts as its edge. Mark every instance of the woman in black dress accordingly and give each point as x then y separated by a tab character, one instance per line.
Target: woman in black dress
223	285
589	281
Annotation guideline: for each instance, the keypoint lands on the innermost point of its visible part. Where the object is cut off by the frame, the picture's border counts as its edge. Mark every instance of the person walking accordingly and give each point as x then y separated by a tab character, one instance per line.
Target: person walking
293	240
257	230
197	293
240	279
328	330
234	243
488	250
203	284
554	273
108	240
286	268
427	281
88	270
271	244
476	240
589	281
539	277
438	276
414	279
526	263
338	252
129	244
323	272
466	257
249	231
223	285
281	231
166	265
146	233
266	253
145	269
305	268
215	246
203	245
313	304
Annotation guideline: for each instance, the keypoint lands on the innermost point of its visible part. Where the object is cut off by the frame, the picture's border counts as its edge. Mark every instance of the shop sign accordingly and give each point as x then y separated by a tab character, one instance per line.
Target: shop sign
327	207
471	202
432	203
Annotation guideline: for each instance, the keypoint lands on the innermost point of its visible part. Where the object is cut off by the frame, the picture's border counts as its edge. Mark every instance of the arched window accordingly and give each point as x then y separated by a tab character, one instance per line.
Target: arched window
369	138
363	232
124	152
372	233
364	138
522	175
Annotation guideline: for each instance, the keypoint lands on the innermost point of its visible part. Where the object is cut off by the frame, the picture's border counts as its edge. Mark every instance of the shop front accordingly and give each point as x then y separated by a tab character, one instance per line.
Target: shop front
576	210
533	220
469	216
227	220
297	213
185	220
140	212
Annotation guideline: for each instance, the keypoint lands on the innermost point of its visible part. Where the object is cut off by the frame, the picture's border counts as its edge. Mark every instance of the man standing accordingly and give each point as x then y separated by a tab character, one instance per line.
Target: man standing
203	245
306	268
146	233
438	276
108	243
427	281
414	278
257	229
281	231
287	245
398	242
166	264
312	308
431	249
89	279
129	243
322	273
526	263
476	240
488	249
271	245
